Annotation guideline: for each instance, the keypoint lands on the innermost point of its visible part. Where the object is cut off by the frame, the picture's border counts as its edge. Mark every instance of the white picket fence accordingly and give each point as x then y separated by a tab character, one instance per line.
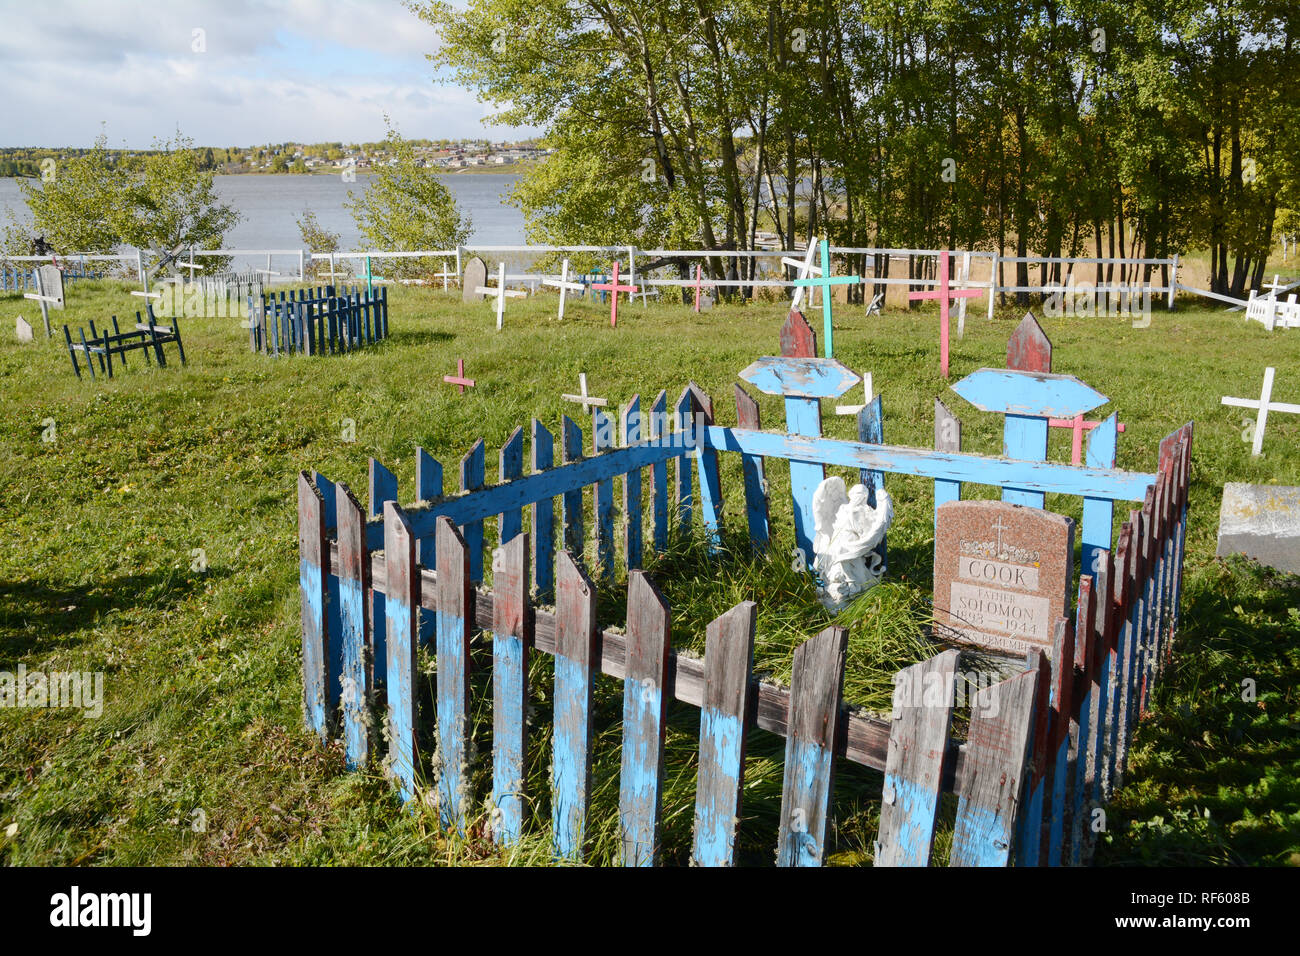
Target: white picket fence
772	274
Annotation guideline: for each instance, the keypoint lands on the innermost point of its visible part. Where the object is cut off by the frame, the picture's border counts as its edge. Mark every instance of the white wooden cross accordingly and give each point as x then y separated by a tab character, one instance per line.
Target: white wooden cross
963	277
854	409
586	401
806	270
334	273
1275	287
1265	406
501	292
564	285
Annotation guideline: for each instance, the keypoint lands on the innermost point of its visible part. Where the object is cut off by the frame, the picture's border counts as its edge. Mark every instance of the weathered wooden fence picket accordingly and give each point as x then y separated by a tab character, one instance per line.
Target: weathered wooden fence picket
15	278
1043	749
317	321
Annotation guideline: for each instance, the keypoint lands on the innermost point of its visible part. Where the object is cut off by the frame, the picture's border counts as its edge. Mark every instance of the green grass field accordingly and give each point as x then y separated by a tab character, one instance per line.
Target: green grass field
199	755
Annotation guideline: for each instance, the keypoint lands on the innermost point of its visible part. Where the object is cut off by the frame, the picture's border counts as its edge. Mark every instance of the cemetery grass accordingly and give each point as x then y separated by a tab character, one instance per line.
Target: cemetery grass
199	756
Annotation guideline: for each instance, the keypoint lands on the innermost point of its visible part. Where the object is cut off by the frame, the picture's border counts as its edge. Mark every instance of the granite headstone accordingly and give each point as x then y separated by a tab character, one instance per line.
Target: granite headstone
1261	522
475	276
22	329
1001	574
52	285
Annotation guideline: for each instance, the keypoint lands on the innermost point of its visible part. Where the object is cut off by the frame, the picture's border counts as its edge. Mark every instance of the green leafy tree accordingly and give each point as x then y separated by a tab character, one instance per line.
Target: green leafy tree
168	200
317	239
405	208
78	206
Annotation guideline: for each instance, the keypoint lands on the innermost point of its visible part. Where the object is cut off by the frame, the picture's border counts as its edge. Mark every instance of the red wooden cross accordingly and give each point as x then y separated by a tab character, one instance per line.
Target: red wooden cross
1079	426
944	294
459	379
613	288
697	287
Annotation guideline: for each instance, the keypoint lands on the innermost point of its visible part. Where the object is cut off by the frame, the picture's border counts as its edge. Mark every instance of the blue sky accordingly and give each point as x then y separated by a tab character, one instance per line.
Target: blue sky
260	71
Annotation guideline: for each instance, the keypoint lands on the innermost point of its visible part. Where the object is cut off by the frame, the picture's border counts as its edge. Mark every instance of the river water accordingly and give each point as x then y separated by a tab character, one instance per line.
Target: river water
272	205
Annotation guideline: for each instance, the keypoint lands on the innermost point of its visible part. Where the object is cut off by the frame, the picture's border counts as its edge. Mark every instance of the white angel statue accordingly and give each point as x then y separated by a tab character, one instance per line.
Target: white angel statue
847	530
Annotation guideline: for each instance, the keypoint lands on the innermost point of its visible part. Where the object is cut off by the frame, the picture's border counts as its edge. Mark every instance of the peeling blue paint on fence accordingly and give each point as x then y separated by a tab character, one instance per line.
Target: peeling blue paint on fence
1044	752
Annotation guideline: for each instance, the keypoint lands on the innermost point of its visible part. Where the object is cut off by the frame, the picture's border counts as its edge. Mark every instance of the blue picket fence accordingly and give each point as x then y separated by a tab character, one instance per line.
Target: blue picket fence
1044	747
319	321
18	278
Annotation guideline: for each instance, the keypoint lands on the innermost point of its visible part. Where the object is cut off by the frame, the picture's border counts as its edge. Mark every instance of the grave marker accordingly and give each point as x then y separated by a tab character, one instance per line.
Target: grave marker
49	293
587	401
459	379
944	294
51	280
1002	574
707	300
564	285
803	380
825	282
475	277
613	288
854	409
806	270
1264	406
501	292
22	329
1080	426
1261	522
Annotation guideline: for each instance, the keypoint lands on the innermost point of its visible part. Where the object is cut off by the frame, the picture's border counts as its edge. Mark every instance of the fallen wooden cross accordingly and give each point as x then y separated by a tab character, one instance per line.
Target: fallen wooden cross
500	291
584	399
459	379
564	285
103	346
1264	406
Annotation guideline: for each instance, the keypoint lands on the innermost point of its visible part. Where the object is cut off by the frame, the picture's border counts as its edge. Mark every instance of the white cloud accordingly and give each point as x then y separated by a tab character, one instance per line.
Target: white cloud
271	70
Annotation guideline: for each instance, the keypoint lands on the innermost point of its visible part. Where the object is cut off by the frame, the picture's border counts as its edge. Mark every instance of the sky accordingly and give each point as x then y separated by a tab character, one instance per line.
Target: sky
260	71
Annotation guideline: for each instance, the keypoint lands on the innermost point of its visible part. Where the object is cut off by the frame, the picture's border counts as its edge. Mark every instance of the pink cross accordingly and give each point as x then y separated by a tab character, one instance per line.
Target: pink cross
944	294
697	287
1079	426
459	379
613	288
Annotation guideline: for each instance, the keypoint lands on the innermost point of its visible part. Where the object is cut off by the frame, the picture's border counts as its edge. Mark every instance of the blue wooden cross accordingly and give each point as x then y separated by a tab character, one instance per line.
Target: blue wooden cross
825	281
803	382
1030	395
